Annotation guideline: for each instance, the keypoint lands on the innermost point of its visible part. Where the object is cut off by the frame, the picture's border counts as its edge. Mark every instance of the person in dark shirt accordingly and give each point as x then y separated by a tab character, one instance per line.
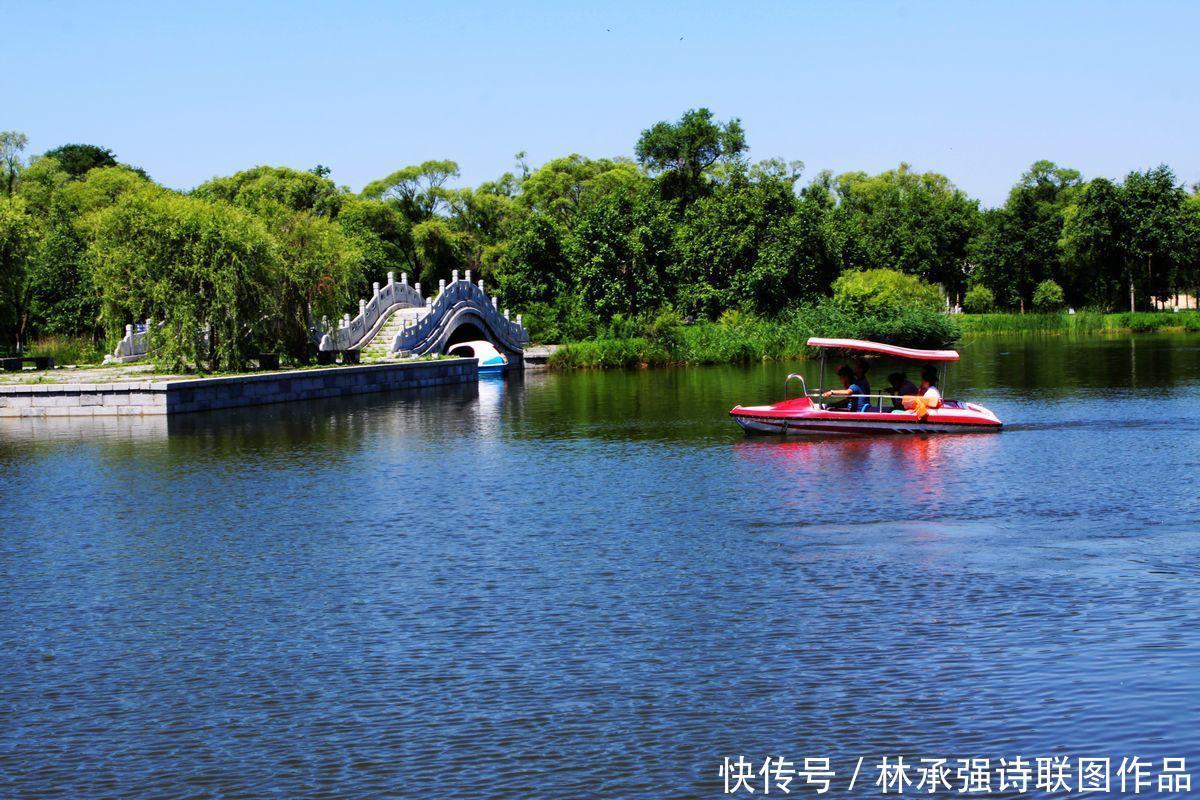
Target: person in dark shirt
861	365
901	386
849	391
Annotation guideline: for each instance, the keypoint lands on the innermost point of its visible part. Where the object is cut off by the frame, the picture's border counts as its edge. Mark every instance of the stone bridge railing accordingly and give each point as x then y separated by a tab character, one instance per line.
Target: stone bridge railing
352	333
454	302
132	346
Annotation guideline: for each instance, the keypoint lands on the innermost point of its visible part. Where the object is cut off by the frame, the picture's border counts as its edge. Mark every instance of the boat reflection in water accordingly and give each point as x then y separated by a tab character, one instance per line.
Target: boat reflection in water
906	470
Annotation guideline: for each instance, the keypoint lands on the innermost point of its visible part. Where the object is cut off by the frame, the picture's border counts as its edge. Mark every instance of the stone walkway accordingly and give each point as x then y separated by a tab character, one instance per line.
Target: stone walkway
114	373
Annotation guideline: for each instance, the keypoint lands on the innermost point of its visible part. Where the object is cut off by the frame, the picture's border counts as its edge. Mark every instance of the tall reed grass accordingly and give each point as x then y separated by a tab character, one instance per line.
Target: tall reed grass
741	338
67	350
1083	322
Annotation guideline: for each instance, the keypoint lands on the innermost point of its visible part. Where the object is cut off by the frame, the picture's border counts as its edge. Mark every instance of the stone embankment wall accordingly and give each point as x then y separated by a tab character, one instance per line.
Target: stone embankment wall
207	394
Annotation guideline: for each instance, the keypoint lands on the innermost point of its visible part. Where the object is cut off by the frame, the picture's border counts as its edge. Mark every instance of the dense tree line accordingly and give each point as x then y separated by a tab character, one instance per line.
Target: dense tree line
255	259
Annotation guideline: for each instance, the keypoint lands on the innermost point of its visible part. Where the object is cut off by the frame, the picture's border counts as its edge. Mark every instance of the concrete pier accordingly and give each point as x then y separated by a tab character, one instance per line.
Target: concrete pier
181	396
537	357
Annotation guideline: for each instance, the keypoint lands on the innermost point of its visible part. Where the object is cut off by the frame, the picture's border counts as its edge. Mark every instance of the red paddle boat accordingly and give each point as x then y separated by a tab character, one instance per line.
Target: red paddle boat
807	414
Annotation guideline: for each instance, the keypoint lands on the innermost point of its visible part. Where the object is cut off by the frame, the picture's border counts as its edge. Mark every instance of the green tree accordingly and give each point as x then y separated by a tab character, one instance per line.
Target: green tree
483	216
1093	242
918	223
618	248
40	182
320	267
62	298
884	293
978	300
1189	271
680	153
265	189
1048	296
418	192
382	235
1160	234
78	159
562	186
204	270
533	275
751	243
439	247
103	187
12	144
1138	237
16	242
1018	246
534	268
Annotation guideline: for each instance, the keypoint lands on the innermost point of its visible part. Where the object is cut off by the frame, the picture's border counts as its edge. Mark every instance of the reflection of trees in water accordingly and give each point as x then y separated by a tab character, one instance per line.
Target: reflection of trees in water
1068	362
316	433
648	404
329	431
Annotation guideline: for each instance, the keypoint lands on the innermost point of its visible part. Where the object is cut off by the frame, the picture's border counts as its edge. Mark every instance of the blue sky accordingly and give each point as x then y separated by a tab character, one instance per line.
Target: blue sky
977	91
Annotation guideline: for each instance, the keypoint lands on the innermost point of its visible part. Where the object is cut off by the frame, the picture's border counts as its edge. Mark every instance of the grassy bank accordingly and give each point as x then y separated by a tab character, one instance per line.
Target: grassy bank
740	338
65	349
1083	322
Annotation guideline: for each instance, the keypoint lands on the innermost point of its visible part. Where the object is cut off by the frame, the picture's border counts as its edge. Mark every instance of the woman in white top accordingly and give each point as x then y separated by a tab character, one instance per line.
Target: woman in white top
929	388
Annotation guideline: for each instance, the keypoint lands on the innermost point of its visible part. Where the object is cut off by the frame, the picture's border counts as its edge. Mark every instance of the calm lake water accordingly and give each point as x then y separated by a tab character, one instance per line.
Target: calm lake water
594	585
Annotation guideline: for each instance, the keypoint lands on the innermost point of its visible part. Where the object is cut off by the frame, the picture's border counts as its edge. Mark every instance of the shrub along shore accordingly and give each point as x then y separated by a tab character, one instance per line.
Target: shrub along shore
742	339
1082	322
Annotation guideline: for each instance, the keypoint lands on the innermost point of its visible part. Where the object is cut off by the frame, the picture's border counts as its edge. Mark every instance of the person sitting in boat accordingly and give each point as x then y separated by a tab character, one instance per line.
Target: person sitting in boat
851	391
929	390
928	395
901	386
860	375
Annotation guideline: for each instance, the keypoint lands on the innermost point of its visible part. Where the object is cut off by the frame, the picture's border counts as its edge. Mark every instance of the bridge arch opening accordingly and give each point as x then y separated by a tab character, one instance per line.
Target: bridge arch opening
465	332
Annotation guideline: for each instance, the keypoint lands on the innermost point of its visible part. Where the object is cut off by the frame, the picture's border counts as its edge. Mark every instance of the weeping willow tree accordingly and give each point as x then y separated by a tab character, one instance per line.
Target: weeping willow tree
320	265
16	238
203	272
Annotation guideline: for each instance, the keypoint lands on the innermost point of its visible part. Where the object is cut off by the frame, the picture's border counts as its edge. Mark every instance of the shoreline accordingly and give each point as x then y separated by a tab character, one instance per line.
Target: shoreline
1081	322
712	343
171	395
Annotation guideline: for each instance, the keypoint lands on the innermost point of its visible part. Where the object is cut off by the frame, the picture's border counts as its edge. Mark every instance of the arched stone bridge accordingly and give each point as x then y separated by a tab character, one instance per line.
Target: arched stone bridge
398	321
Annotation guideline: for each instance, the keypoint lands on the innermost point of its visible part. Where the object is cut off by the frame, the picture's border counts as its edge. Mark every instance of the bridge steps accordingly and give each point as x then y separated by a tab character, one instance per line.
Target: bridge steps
380	345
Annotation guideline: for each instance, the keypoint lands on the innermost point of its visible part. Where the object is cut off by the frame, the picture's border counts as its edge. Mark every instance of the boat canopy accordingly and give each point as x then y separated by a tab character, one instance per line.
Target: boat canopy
885	349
